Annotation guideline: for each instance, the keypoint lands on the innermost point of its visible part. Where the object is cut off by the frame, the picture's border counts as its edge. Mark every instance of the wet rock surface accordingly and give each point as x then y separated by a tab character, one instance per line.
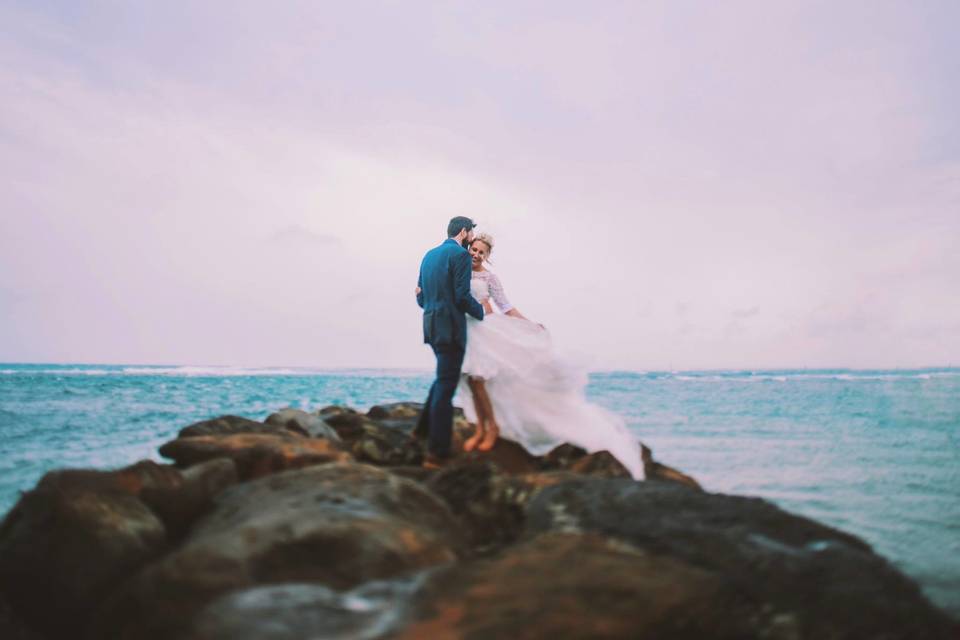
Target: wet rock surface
326	525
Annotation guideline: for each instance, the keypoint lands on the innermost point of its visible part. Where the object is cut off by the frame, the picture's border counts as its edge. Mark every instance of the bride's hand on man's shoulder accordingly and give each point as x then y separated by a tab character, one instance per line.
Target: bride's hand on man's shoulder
418	291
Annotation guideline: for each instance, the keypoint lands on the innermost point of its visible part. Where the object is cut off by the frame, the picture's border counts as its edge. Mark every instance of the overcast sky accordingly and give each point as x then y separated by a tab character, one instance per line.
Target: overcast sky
672	185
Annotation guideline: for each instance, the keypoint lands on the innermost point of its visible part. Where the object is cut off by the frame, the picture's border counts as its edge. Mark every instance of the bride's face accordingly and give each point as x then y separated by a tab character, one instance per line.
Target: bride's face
479	252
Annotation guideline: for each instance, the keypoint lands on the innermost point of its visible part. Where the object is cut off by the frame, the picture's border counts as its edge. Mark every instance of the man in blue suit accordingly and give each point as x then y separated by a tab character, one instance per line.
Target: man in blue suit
443	292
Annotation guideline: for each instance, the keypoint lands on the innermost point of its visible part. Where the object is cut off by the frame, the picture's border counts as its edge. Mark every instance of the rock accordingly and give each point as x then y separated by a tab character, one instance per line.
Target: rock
577	586
176	497
828	583
230	425
655	471
573	458
509	456
484	501
385	446
12	627
372	442
255	454
298	611
489	503
64	547
192	496
396	411
333	410
562	457
349	425
302	422
338	525
601	463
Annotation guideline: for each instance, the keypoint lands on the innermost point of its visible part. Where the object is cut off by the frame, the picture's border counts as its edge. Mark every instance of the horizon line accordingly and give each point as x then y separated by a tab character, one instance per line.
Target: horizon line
429	369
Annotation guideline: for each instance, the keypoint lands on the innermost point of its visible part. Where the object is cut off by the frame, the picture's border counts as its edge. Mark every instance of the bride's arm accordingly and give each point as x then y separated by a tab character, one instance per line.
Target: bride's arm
496	292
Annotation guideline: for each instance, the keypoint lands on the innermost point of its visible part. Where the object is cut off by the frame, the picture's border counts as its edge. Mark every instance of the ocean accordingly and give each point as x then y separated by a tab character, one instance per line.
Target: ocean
876	453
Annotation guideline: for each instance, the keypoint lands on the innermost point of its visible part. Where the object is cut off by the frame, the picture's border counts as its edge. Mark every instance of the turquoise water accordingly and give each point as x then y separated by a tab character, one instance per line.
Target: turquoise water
876	453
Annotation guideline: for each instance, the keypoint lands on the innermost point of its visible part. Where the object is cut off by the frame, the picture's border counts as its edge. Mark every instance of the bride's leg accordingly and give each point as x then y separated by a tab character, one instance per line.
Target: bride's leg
490	427
478	392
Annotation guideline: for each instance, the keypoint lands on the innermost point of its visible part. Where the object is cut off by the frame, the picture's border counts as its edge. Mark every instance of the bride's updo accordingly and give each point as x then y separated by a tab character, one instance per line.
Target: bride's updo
486	239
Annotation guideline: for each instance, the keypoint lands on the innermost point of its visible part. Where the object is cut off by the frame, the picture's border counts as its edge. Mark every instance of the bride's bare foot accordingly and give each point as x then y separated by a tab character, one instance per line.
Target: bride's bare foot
471	443
491	433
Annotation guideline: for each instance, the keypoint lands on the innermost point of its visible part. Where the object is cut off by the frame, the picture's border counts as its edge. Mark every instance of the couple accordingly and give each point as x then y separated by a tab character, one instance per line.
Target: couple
510	381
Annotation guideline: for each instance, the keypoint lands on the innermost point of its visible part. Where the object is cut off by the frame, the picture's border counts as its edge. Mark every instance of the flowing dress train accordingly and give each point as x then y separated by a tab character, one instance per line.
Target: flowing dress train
538	399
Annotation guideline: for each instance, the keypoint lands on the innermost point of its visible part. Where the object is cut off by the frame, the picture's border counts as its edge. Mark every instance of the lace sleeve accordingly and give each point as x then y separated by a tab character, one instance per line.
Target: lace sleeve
496	292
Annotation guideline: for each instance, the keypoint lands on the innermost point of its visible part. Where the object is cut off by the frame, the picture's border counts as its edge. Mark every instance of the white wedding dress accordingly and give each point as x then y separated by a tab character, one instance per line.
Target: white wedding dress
537	399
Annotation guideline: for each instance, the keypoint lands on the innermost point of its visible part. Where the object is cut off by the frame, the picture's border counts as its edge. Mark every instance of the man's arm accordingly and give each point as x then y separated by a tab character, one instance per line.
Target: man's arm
420	289
462	265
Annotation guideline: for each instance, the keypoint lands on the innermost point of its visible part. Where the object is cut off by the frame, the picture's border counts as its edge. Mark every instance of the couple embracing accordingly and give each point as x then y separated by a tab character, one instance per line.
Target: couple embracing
500	365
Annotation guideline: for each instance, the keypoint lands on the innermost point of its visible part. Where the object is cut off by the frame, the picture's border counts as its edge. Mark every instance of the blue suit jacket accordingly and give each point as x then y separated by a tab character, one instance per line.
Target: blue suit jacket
445	295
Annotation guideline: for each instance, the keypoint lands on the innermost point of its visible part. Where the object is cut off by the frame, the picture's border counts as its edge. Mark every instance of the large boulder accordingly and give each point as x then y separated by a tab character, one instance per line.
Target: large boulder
302	422
229	425
65	545
580	586
255	454
338	525
829	584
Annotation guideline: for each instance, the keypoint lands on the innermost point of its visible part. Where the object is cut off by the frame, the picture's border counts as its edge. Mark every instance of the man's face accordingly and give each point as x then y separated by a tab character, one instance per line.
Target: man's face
467	239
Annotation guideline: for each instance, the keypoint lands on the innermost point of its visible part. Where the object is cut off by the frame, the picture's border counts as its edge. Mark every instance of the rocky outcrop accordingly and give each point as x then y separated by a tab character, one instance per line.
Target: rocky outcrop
325	525
64	547
815	581
337	525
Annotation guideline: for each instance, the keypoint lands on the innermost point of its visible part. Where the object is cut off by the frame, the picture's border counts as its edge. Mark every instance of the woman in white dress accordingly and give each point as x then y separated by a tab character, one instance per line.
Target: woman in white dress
521	390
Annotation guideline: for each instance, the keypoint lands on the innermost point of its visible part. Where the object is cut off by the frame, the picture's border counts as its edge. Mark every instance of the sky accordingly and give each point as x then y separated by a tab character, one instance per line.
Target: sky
670	184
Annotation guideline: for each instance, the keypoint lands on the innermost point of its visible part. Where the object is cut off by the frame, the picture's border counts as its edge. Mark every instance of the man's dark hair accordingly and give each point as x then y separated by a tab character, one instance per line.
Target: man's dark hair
458	224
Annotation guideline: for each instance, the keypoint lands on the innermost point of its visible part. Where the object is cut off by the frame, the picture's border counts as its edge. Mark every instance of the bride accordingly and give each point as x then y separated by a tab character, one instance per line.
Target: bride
520	389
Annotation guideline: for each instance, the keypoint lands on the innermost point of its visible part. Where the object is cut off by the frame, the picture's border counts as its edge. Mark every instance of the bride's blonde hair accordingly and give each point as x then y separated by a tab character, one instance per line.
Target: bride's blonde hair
486	239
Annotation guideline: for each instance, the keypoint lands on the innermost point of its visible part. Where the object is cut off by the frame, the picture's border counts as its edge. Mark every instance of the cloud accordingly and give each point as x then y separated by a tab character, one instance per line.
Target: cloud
647	169
297	236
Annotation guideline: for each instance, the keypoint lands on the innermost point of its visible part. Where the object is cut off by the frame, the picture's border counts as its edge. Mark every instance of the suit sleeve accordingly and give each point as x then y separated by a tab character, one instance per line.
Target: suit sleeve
461	286
420	289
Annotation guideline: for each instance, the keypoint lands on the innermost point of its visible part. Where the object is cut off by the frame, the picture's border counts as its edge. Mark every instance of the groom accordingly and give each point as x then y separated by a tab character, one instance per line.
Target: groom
443	292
